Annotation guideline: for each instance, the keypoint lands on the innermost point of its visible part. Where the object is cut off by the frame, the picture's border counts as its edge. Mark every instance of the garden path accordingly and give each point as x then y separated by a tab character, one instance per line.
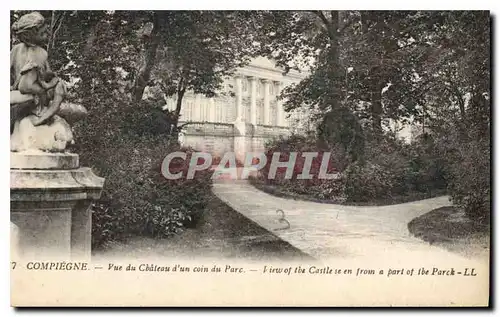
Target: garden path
327	231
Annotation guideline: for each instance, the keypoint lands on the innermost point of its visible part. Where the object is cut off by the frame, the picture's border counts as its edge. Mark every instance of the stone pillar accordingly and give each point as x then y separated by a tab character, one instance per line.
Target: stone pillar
197	108
280	112
239	124
239	98
253	100
50	197
267	106
211	110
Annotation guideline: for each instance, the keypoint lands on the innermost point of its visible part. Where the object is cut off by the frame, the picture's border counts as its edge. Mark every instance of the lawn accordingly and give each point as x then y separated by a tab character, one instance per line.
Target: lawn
448	227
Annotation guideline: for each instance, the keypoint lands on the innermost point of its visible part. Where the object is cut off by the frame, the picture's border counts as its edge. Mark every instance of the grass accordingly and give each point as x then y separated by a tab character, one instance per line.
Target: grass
449	228
221	233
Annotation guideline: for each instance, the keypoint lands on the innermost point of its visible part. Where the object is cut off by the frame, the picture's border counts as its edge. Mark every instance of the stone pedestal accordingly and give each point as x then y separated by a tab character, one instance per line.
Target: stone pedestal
49	206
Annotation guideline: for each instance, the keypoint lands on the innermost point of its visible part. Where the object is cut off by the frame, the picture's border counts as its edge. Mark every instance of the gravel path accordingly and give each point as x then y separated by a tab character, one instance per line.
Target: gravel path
336	231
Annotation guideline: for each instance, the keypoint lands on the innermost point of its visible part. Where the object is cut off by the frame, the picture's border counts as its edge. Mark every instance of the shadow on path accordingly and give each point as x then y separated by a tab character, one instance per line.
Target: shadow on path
221	233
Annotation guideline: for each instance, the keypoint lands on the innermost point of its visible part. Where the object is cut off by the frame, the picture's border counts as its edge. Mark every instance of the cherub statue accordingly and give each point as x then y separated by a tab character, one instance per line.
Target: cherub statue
36	93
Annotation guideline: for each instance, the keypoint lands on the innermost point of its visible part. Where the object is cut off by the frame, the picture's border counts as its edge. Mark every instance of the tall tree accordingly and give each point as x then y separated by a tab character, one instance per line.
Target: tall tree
200	49
313	40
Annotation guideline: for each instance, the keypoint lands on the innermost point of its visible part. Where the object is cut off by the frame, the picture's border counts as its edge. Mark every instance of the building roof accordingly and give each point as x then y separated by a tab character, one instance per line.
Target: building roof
265	68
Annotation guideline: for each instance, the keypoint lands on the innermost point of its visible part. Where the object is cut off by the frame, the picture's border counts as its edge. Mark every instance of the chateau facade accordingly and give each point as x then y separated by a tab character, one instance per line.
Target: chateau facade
247	113
244	115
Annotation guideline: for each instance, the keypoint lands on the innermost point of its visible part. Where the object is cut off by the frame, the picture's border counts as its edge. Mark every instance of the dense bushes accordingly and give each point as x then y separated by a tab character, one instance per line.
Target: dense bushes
380	174
315	187
137	199
370	181
469	169
148	118
427	170
392	168
388	171
392	171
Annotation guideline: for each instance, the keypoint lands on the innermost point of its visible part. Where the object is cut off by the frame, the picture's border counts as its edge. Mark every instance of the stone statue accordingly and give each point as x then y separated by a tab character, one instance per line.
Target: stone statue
50	192
36	93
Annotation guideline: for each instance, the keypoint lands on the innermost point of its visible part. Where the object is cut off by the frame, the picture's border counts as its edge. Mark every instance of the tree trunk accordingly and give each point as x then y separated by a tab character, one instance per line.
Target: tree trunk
55	25
180	95
376	109
334	97
480	115
149	60
376	117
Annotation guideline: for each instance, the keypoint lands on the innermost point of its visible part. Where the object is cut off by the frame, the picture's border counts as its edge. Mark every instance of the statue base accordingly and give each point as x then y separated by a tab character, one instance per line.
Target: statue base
38	160
49	206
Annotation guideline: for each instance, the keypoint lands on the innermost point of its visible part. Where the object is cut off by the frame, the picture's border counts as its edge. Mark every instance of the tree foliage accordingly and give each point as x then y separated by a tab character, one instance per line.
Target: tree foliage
370	68
364	70
200	49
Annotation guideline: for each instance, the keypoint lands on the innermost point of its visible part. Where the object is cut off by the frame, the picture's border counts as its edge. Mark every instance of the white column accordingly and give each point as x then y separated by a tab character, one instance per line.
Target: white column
211	110
267	106
239	124
197	108
219	110
253	100
239	98
204	112
280	112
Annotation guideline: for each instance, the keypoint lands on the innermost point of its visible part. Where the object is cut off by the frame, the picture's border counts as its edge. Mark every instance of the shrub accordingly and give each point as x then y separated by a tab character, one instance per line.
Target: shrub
392	168
388	168
137	199
427	170
148	118
390	155
315	187
186	196
370	181
107	223
470	177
